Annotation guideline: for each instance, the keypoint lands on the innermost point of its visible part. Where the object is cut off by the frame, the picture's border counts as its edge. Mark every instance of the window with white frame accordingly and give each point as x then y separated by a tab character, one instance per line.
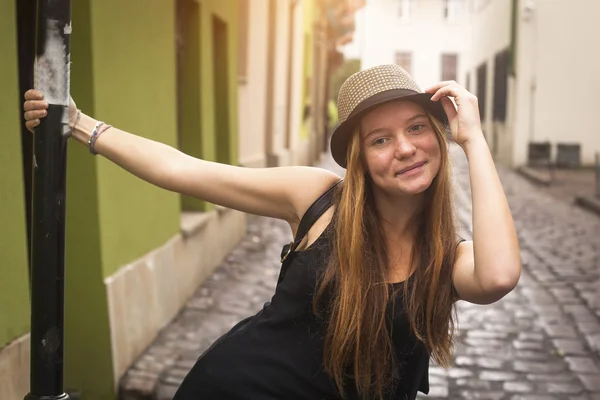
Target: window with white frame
481	79
454	10
404	59
405	10
501	65
449	67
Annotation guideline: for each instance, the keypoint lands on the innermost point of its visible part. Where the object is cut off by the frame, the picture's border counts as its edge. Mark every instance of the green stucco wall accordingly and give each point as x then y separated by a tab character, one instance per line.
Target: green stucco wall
192	115
123	72
87	333
14	287
125	76
226	11
133	67
218	110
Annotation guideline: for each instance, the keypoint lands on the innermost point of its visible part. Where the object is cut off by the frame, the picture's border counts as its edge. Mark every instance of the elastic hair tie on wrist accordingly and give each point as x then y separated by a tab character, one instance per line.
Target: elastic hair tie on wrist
72	128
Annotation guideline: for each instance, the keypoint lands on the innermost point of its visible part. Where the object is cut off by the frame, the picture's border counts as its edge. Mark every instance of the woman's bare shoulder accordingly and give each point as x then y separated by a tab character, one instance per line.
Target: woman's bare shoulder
307	184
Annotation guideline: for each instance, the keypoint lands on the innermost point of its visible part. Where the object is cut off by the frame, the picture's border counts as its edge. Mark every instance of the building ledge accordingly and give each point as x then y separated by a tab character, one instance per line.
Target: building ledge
145	295
193	222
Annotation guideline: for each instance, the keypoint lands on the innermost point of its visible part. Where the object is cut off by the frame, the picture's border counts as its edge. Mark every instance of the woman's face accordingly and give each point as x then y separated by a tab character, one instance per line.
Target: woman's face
400	148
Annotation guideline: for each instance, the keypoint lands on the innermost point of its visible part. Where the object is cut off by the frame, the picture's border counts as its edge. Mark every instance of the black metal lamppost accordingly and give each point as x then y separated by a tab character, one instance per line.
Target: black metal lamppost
51	76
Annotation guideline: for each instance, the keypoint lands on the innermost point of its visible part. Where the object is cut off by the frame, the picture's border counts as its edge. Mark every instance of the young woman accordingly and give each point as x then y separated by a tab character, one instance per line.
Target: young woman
368	292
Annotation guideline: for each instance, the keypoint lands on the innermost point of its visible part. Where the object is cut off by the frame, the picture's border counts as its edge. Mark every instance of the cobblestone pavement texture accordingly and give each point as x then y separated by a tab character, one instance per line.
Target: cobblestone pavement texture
542	341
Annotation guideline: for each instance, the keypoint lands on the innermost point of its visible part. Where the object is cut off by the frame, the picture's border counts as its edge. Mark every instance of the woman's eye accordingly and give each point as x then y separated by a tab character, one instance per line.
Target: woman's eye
416	128
379	141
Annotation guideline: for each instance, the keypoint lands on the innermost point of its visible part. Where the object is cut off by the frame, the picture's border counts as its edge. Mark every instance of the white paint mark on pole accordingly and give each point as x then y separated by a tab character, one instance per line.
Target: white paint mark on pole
51	70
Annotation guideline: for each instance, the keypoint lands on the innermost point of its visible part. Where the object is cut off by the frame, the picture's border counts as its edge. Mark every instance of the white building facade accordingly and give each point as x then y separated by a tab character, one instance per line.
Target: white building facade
428	38
533	64
534	67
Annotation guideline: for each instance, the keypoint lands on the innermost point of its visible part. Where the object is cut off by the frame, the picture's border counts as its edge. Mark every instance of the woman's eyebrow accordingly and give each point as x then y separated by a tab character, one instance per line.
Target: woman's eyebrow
417	116
377	130
409	120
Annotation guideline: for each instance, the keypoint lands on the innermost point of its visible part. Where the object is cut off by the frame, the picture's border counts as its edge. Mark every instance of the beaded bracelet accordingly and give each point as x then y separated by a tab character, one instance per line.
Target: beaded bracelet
104	129
94	136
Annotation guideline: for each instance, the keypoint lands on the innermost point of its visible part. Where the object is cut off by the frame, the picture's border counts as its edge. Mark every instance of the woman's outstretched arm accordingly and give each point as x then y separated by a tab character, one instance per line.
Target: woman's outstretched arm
282	192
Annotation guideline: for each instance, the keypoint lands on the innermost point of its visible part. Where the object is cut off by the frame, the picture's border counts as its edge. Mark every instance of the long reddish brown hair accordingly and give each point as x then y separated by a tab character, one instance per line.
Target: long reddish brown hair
358	339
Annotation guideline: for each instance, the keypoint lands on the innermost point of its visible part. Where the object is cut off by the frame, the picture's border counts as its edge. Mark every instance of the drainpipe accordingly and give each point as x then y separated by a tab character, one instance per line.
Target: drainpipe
529	16
513	38
51	77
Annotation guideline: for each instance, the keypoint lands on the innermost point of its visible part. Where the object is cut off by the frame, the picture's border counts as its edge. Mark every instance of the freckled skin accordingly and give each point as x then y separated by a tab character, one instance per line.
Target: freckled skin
397	144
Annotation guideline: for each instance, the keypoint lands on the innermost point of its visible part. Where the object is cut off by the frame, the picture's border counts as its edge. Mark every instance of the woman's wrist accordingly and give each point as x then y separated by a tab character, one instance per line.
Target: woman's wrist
82	131
474	145
87	130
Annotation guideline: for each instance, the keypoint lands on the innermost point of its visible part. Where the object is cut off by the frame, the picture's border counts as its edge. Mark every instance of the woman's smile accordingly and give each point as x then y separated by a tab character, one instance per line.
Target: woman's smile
412	170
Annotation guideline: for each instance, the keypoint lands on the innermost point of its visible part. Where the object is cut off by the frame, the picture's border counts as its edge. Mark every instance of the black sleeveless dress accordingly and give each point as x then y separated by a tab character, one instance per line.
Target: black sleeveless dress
278	353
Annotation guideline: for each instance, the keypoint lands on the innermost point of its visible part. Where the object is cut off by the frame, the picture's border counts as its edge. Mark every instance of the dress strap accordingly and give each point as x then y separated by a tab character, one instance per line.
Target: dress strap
316	209
313	213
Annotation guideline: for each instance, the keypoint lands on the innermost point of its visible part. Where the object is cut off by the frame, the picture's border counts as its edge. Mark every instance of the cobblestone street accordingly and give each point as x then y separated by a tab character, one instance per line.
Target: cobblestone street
540	342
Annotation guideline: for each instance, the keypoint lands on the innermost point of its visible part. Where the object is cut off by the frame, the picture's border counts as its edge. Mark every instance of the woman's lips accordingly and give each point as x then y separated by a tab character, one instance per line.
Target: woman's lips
412	170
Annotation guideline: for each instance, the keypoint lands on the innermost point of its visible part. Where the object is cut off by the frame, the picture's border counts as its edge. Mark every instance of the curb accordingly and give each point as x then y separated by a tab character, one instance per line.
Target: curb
535	176
590	203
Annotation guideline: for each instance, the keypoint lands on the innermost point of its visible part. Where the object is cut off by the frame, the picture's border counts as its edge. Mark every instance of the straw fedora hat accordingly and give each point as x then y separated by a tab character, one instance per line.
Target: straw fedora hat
369	88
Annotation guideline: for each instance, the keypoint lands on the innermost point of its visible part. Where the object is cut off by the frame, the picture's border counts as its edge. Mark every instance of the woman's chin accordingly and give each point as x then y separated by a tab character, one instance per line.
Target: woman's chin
416	186
416	191
401	187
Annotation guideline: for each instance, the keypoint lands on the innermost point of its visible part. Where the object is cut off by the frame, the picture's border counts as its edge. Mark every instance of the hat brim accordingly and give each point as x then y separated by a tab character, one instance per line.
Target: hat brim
343	132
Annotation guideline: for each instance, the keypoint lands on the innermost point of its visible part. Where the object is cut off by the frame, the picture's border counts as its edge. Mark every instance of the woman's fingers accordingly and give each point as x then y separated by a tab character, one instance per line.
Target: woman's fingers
437	86
32	124
33	94
450	90
449	108
446	88
35	105
35	114
35	108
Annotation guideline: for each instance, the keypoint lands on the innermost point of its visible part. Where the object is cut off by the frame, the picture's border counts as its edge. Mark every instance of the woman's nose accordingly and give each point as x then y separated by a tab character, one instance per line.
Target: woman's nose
404	148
